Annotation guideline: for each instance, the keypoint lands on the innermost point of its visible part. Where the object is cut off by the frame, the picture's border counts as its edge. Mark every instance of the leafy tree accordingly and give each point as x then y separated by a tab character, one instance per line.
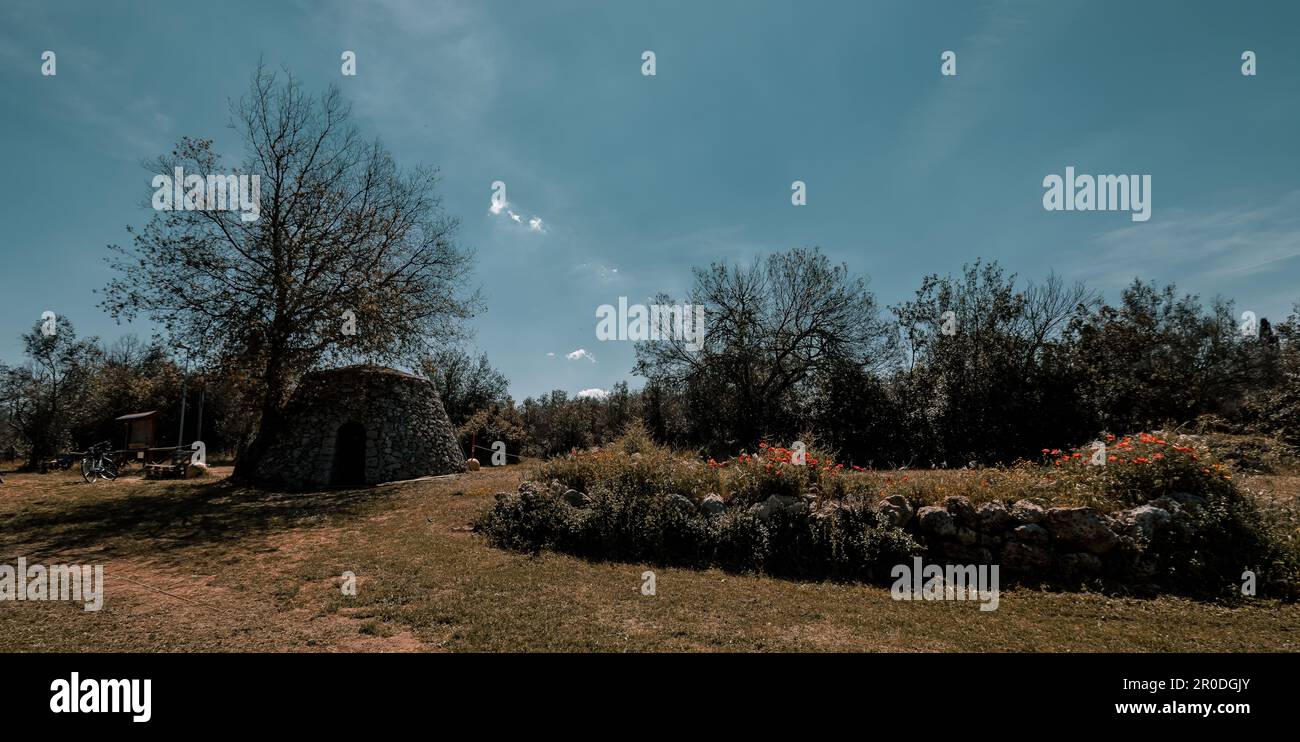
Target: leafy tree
1274	405
466	384
132	376
983	362
496	422
858	414
1159	358
49	395
344	240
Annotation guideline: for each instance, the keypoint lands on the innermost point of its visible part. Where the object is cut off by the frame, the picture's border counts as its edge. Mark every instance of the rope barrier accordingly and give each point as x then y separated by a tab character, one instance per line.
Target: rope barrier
508	455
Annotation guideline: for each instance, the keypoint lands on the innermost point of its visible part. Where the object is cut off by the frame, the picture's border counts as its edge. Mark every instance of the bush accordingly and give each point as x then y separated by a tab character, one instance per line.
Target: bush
844	542
1208	551
1256	454
1221	531
643	506
529	520
650	470
1137	470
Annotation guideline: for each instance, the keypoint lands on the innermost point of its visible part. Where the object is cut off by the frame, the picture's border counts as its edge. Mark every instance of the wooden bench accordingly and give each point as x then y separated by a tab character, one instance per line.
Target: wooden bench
174	468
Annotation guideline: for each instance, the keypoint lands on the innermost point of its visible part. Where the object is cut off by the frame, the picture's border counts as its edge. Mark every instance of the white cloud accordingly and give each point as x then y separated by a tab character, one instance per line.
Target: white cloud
457	47
603	273
1244	251
580	354
535	223
593	394
1230	242
550	355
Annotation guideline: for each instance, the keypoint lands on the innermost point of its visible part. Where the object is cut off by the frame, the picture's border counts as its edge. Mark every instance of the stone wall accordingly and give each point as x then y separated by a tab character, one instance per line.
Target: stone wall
407	433
1176	543
1027	540
1044	543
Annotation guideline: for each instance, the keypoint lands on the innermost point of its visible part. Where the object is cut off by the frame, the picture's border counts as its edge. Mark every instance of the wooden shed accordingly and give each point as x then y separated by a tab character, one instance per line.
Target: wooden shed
140	430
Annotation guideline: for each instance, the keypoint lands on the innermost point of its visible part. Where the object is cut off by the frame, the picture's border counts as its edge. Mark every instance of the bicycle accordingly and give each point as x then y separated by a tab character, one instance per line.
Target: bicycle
98	463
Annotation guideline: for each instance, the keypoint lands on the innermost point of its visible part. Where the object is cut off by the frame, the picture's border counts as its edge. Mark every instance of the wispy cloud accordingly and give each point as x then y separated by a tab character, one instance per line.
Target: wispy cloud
986	59
579	355
1221	244
89	92
603	273
458	58
457	48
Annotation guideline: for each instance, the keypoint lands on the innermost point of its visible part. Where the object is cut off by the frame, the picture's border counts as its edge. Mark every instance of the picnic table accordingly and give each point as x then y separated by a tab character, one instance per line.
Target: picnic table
174	465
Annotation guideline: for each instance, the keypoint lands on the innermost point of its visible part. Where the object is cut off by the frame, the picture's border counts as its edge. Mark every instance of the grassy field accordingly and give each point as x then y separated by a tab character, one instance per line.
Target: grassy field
204	565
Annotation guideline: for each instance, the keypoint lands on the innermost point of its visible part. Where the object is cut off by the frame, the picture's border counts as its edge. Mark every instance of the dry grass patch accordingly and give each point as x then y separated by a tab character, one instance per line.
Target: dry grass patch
249	570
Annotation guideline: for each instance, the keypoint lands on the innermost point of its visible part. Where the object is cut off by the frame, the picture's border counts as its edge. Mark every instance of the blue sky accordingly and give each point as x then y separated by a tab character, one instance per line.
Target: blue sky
638	178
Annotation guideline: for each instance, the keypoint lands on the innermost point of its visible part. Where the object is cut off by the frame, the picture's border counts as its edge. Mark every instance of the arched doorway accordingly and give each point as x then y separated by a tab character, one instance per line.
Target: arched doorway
349	455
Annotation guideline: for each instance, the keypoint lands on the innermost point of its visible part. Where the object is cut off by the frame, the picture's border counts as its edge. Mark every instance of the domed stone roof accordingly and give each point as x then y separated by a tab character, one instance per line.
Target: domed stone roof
360	425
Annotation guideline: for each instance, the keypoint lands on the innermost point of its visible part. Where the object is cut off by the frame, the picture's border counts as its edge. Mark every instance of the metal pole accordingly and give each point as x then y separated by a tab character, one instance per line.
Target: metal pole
180	433
198	429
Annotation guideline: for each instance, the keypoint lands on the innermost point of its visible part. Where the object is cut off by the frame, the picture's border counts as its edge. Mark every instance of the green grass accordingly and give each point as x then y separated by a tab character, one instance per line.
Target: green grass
258	571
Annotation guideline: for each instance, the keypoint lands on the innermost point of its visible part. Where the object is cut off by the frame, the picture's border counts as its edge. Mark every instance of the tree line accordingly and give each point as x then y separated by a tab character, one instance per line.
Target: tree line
69	390
976	367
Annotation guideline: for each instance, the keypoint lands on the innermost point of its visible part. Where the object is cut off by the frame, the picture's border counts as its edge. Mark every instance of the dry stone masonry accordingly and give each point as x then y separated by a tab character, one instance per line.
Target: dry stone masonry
361	425
1030	542
1036	542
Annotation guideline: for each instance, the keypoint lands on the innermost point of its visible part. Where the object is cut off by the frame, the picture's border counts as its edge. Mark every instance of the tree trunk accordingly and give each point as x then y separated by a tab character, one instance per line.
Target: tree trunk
269	425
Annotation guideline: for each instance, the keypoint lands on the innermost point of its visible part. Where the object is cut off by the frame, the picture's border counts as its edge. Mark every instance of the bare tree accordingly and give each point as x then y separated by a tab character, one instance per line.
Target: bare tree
769	327
1049	306
348	258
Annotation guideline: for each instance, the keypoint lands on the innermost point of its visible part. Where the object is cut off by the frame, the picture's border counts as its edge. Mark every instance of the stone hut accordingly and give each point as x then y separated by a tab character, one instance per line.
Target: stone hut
361	425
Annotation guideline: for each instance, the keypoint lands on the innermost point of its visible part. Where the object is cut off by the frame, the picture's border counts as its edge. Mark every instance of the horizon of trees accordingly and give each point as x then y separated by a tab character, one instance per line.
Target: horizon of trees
69	392
974	368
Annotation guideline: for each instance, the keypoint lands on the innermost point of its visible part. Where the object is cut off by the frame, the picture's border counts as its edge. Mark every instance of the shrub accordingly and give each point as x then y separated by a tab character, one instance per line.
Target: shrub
741	544
1256	454
528	520
643	505
1137	470
845	542
647	470
1208	550
1221	531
